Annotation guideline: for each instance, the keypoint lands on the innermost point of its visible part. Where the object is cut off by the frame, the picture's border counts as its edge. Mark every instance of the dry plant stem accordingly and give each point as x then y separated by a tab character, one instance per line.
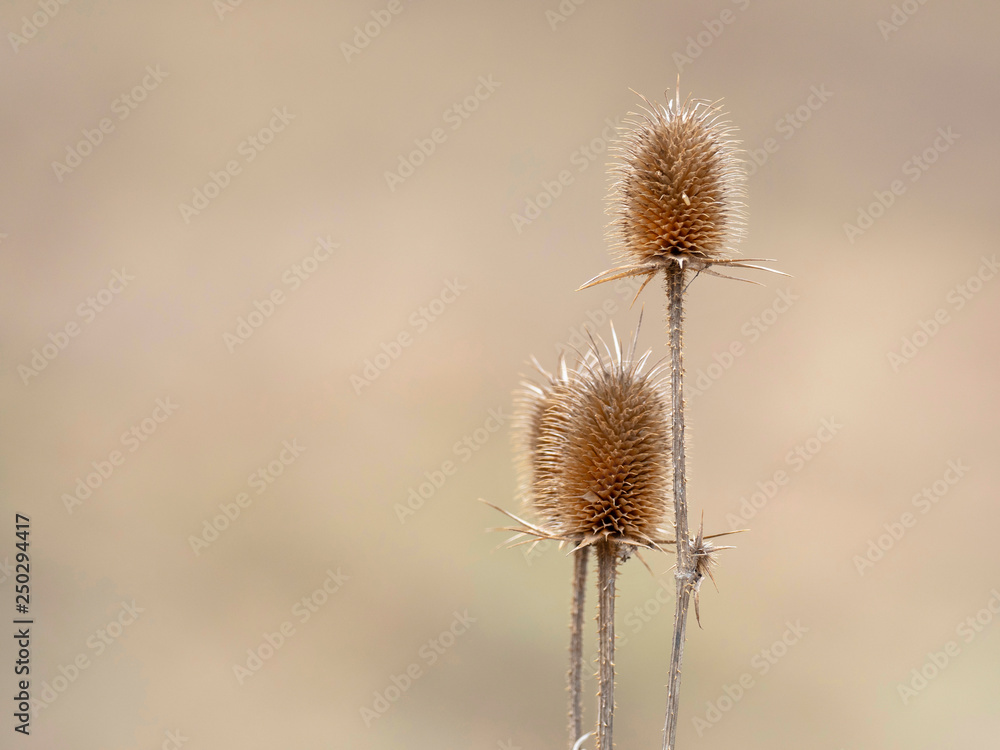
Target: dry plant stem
685	574
607	564
581	558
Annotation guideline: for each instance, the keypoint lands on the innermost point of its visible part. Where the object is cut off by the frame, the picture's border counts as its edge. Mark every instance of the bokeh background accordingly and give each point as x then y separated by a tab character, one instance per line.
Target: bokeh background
341	436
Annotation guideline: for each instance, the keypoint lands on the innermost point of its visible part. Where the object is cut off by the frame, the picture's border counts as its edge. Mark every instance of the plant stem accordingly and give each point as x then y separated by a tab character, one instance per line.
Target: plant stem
607	564
575	677
685	559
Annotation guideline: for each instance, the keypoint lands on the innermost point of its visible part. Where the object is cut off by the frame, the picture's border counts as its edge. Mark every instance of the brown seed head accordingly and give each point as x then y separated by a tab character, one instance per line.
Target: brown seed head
603	452
679	189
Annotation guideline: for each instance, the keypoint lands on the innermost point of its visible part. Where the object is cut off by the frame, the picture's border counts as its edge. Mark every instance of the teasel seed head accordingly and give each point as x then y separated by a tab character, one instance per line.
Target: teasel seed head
678	192
603	451
680	186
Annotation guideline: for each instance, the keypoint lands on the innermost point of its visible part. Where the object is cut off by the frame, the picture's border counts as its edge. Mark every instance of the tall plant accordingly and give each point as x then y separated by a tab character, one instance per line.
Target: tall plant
602	445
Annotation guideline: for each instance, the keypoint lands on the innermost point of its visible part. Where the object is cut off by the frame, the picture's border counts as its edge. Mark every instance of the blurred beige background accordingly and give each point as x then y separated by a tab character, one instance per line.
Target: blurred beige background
299	381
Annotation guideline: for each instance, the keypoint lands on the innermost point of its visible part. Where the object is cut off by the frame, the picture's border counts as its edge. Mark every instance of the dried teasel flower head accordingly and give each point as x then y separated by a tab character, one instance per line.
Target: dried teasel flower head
680	185
604	451
678	192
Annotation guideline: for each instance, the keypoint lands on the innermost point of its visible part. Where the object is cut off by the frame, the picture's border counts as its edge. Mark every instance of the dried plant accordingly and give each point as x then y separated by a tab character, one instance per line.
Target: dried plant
593	450
600	446
678	205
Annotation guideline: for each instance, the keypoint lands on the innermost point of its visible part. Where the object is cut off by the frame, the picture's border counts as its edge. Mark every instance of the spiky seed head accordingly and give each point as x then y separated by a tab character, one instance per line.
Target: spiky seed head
679	187
603	442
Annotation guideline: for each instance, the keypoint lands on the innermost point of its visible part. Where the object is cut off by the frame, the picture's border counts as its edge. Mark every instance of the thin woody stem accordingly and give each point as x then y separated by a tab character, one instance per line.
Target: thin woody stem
575	677
685	574
607	563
